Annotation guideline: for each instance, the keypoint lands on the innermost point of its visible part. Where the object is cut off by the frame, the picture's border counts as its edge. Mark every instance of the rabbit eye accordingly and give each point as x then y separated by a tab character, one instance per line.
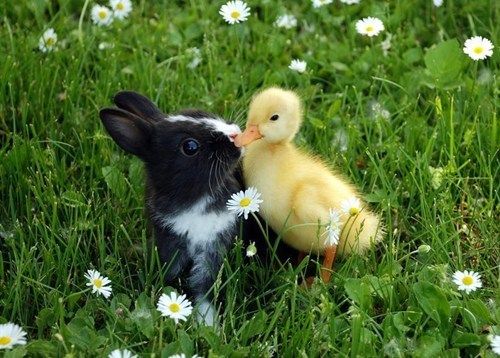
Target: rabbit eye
190	147
274	117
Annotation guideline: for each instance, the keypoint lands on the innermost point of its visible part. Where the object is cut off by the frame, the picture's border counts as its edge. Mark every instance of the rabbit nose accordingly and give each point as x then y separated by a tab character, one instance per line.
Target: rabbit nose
232	136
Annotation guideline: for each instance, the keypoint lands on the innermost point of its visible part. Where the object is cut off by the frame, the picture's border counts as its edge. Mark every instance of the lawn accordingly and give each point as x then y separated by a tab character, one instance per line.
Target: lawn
406	115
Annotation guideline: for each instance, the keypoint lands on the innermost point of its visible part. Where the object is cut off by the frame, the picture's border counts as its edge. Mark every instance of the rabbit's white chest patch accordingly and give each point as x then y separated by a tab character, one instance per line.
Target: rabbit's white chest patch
200	226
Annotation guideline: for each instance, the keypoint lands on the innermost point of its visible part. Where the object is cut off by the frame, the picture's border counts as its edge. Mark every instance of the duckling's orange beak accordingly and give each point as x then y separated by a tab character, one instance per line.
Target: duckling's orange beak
250	134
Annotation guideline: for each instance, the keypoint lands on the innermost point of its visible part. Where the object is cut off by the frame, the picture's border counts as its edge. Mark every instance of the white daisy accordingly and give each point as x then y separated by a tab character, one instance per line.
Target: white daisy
298	65
286	21
319	3
121	8
333	228
350	2
369	26
245	202
251	249
174	306
437	3
478	48
351	206
101	15
495	344
48	41
181	355
10	335
100	284
235	11
467	281
118	353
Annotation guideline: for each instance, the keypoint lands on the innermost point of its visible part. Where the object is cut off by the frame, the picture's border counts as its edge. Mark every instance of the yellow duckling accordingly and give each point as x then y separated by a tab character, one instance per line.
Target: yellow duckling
314	208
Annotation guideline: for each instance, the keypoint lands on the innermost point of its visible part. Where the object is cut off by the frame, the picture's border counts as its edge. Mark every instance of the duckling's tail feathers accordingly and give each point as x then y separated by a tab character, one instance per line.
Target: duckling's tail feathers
360	232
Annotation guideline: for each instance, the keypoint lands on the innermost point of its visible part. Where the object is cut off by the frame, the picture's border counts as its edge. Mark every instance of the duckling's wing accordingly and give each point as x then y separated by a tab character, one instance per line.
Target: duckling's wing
310	205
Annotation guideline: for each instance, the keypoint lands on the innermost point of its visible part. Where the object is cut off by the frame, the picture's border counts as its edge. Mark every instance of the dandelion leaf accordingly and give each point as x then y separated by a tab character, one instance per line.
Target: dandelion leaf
444	64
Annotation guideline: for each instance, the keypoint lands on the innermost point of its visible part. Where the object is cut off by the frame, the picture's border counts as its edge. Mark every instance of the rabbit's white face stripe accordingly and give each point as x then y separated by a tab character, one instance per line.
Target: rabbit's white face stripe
227	129
200	226
217	124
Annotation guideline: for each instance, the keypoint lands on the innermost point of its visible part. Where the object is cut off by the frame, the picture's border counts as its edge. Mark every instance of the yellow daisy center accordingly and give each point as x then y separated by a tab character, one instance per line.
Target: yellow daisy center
353	211
468	280
235	14
174	307
102	14
245	202
478	50
119	6
50	41
369	28
97	282
4	340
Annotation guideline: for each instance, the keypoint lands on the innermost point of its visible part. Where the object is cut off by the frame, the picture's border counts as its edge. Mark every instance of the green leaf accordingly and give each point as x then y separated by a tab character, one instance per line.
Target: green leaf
120	300
317	123
42	348
142	316
334	108
382	286
429	345
255	326
135	173
193	31
186	343
412	55
208	334
479	311
444	63
450	353
17	352
460	340
170	349
359	291
339	66
80	332
73	299
115	180
73	199
45	318
433	301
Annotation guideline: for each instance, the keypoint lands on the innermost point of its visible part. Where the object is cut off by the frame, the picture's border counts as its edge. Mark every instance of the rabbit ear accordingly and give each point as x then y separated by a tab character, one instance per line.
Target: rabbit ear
138	105
128	130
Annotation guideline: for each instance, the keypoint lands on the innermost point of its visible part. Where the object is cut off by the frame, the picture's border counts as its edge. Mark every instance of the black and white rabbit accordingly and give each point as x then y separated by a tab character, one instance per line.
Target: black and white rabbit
190	163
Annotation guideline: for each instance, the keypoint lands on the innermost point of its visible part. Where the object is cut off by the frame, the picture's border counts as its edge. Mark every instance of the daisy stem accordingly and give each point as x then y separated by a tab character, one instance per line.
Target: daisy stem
452	133
77	293
404	257
474	78
80	21
160	338
264	231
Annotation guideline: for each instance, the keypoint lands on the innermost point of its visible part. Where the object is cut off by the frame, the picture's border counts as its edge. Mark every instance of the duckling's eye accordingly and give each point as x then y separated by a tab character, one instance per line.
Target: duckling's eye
274	117
190	147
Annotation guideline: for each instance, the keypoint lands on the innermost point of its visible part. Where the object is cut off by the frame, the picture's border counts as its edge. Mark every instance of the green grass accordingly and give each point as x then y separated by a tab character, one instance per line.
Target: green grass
59	216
